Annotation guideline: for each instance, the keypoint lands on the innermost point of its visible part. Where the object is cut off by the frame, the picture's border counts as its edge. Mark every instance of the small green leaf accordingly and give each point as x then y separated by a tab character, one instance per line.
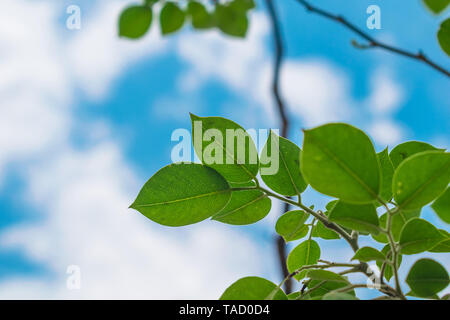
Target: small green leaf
323	232
325	275
442	206
245	207
291	225
444	36
398	222
420	179
171	18
182	194
436	6
326	287
280	166
200	17
231	20
427	277
388	272
252	288
418	235
135	21
338	296
356	217
407	149
366	254
226	147
339	160
387	172
306	253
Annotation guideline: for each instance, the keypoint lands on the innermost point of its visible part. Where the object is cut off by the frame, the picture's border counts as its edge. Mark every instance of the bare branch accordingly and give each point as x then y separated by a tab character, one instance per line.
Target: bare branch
372	42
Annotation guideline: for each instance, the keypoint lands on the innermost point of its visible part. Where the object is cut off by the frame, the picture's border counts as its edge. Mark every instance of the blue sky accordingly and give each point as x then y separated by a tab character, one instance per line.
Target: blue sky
86	118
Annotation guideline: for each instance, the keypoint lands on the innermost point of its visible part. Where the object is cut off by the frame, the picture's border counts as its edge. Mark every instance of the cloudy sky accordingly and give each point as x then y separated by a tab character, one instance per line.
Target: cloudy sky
86	118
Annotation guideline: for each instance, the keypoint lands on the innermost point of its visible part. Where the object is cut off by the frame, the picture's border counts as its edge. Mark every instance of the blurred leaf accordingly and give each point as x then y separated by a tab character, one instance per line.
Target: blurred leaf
436	6
200	17
171	18
444	36
135	21
231	20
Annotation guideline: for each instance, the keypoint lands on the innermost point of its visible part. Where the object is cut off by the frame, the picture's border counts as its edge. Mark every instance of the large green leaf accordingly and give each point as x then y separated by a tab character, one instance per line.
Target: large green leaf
418	235
325	275
420	179
306	253
442	206
427	277
291	225
225	146
407	149
171	18
398	222
436	6
444	36
324	287
366	254
231	20
356	217
284	155
182	194
245	207
135	21
387	172
339	160
443	246
200	17
253	288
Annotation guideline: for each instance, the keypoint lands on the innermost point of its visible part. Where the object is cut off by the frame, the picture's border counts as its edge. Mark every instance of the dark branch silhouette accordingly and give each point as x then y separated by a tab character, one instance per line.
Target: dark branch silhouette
278	59
373	43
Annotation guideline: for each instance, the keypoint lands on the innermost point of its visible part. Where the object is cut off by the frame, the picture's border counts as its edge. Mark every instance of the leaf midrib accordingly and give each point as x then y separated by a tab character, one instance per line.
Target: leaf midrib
181	200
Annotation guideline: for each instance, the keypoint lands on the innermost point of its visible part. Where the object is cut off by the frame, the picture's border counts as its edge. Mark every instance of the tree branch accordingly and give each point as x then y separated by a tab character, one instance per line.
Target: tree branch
278	59
373	43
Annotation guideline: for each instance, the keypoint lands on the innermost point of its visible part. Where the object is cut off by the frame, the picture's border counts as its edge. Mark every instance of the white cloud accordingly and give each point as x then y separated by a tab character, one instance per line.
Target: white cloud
83	195
386	132
387	95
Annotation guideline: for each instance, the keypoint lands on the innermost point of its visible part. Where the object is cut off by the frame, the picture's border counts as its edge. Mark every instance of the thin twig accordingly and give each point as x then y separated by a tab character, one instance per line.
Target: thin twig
372	42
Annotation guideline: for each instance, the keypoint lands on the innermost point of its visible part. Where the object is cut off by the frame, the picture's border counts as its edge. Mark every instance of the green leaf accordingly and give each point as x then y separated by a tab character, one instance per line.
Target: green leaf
326	287
407	149
200	17
182	194
226	147
436	6
398	222
135	21
323	232
427	277
245	207
444	36
231	20
325	275
280	166
291	225
338	296
388	272
443	246
330	205
356	217
418	235
420	179
442	206
387	172
252	288
366	254
339	160
306	253
171	18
